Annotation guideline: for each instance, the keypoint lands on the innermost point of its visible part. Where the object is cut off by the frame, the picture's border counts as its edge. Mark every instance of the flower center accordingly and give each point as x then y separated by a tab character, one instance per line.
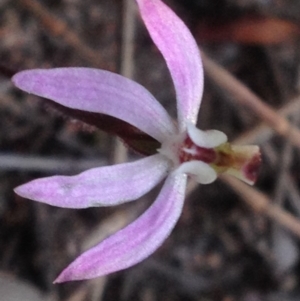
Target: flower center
205	154
189	151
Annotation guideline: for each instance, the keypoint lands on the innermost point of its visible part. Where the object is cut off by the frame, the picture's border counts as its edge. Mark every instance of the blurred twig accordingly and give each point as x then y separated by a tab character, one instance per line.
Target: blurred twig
45	164
59	29
245	97
79	294
263	205
261	133
127	52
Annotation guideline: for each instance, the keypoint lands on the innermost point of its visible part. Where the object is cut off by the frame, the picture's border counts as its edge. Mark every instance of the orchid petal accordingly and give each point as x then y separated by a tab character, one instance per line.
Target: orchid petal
207	139
99	91
181	53
103	186
200	171
135	242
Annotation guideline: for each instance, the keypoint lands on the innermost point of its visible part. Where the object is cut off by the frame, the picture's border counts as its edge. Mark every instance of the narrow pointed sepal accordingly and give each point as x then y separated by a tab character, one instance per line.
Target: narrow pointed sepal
135	242
101	186
99	91
182	55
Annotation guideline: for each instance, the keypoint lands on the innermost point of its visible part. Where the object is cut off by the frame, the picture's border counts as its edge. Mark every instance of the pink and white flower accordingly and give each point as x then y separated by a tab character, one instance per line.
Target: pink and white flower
185	150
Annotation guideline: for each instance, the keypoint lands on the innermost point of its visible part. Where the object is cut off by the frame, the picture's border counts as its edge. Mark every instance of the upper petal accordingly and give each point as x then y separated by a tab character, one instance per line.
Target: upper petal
103	186
200	171
181	53
99	91
208	139
136	241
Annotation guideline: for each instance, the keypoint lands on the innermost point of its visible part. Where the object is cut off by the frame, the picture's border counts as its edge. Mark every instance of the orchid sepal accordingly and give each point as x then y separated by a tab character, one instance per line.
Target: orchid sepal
135	242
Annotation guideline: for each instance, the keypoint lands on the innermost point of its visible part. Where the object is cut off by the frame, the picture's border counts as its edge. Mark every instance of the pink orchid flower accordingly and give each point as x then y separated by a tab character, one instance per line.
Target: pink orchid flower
185	150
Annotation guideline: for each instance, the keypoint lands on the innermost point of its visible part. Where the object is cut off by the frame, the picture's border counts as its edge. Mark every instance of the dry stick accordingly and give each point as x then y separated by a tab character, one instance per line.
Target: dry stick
283	169
261	133
58	28
80	293
127	51
10	162
291	187
245	97
263	205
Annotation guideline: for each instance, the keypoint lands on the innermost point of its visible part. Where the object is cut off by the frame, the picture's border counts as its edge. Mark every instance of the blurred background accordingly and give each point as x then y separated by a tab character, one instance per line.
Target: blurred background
232	242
